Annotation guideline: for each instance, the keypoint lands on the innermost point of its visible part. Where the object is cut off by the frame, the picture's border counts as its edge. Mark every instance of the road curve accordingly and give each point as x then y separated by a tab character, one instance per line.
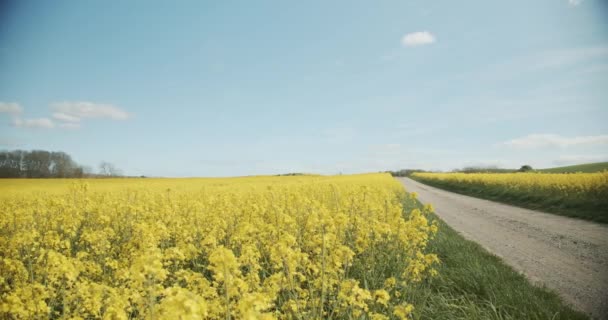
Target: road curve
567	255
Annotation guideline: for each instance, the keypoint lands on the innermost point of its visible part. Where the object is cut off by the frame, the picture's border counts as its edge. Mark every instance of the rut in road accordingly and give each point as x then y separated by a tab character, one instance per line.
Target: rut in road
567	255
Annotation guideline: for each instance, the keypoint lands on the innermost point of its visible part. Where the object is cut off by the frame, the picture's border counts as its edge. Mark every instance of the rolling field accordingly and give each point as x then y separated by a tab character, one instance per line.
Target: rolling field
579	195
300	247
587	167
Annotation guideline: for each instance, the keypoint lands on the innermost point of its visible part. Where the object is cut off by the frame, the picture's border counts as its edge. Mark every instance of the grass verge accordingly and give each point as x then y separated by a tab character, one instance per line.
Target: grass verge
474	284
581	209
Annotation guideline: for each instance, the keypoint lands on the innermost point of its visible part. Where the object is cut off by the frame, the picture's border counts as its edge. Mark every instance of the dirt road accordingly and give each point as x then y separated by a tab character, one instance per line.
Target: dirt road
567	255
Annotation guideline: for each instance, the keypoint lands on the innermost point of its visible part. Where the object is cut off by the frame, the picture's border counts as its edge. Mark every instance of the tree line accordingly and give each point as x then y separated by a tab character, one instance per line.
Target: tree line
47	164
473	169
404	172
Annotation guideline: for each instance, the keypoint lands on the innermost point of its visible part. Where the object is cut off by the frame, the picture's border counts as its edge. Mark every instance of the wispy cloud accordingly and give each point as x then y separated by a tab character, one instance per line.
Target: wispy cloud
11	108
419	38
38	123
575	3
534	141
75	111
65	117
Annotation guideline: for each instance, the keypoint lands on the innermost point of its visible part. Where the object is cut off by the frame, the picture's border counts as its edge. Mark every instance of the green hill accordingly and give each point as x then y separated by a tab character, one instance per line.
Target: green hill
587	167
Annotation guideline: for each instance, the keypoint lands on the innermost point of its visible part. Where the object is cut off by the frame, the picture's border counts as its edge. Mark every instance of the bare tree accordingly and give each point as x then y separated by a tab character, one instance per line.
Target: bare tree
87	171
104	168
115	172
109	170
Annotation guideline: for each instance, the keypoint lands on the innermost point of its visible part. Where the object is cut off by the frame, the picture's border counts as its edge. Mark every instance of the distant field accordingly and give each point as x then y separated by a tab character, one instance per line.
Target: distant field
579	195
587	167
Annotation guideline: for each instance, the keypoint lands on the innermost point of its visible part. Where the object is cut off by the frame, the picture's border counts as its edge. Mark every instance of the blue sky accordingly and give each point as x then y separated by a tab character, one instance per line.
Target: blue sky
222	88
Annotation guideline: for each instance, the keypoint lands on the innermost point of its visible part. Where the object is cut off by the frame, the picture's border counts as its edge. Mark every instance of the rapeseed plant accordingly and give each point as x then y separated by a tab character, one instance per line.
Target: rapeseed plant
241	248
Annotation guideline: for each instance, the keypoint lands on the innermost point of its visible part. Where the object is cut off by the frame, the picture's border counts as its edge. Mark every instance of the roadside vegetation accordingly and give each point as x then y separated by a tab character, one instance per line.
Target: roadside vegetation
474	284
580	195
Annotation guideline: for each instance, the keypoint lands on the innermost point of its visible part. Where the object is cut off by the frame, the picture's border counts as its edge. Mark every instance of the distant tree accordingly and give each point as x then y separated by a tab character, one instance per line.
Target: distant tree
62	165
78	172
11	164
115	172
38	164
404	172
484	169
43	163
46	164
525	168
104	168
109	170
87	171
476	169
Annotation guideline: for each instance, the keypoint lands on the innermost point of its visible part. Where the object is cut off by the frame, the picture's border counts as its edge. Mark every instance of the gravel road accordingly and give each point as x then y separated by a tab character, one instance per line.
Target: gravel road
567	255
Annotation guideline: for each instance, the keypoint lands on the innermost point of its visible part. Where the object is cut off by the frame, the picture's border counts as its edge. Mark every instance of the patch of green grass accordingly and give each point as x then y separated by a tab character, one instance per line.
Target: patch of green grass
592	209
587	167
474	284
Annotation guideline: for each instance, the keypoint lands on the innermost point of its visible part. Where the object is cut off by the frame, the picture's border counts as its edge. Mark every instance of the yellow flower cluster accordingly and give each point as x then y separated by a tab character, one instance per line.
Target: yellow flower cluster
576	186
298	247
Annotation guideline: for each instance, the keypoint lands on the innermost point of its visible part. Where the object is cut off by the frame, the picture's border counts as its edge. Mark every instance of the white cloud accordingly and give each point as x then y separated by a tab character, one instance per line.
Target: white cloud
65	117
43	123
75	111
534	141
10	108
68	114
575	3
419	38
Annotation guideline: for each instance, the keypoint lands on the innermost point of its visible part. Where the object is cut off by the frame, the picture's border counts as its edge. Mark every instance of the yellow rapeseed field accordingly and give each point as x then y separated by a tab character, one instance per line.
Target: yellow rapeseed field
299	247
574	185
580	195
